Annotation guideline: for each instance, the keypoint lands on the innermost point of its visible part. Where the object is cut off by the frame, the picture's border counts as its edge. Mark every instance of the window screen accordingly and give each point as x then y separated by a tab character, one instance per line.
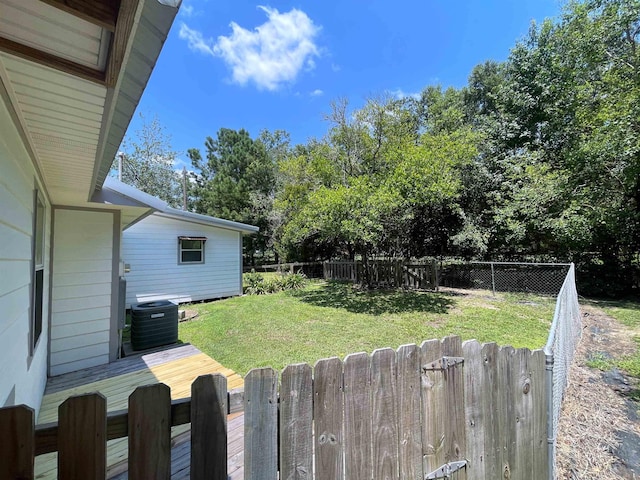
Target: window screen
191	250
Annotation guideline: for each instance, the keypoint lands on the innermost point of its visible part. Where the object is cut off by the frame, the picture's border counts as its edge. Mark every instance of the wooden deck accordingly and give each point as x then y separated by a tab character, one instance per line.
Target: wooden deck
176	367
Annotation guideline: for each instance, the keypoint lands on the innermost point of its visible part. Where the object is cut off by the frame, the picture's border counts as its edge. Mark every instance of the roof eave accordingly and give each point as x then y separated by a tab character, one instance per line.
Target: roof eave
151	24
208	220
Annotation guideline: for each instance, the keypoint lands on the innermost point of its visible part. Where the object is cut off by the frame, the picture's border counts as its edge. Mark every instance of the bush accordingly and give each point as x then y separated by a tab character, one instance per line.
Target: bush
293	281
255	284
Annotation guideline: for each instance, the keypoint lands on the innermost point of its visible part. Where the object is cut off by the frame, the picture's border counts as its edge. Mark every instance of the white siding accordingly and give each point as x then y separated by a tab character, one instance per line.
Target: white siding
22	377
151	248
82	289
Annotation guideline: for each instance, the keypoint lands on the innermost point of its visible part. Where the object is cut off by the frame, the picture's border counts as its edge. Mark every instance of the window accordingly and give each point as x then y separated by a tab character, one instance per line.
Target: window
37	284
191	249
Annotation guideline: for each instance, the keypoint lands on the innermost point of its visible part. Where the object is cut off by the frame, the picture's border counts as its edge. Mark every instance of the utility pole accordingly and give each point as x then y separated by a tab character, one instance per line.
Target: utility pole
120	162
184	188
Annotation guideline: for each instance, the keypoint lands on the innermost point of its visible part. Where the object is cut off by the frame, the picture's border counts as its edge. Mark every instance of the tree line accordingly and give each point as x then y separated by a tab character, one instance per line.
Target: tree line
537	157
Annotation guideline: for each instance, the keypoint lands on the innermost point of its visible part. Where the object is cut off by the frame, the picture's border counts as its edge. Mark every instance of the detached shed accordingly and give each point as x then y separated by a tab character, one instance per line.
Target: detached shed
183	257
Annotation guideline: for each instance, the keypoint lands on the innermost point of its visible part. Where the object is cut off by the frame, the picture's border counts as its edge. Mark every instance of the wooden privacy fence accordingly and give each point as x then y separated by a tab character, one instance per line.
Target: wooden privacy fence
440	410
385	273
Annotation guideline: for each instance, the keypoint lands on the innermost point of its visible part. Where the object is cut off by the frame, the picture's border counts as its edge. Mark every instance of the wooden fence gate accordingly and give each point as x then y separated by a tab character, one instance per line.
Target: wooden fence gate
386	273
440	410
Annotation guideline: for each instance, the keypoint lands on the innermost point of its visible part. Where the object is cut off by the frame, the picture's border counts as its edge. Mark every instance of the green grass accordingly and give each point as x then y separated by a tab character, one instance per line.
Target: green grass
335	319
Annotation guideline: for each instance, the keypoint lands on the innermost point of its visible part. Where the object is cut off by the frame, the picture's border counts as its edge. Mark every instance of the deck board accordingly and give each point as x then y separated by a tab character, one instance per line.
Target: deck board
177	367
181	460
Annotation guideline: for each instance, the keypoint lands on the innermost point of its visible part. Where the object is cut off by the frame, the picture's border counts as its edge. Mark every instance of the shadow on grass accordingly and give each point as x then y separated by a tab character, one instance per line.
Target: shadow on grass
375	302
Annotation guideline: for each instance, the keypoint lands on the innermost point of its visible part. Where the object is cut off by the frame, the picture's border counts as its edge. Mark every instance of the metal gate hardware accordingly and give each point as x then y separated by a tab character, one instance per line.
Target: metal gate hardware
446	470
444	363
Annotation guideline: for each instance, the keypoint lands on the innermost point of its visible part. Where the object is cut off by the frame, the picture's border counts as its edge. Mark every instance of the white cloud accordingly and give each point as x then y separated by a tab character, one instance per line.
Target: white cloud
186	10
270	55
195	40
317	93
400	94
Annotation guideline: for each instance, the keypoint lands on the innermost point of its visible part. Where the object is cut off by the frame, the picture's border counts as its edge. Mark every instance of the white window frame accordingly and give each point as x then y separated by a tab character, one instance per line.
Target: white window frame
36	321
181	250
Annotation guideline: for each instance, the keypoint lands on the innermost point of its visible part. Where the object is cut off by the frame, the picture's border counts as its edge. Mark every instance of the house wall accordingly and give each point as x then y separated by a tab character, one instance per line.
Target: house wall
22	375
150	247
82	293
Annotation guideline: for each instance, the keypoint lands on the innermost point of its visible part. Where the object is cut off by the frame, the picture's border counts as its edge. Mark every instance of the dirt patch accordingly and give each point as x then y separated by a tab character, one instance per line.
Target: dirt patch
599	430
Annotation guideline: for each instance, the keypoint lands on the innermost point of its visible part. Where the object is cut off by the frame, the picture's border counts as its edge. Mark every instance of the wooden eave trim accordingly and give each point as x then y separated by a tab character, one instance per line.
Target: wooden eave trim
50	60
120	41
102	13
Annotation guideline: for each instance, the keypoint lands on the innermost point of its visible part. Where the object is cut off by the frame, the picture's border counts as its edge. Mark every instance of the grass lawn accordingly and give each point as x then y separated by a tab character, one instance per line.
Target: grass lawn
334	319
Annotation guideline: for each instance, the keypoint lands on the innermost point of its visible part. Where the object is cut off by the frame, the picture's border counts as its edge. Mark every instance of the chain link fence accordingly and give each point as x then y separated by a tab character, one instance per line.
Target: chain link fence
541	278
564	336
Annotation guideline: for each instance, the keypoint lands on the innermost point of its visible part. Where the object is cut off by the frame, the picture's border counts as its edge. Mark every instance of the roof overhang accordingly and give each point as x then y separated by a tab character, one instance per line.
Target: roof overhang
133	204
121	195
207	220
72	73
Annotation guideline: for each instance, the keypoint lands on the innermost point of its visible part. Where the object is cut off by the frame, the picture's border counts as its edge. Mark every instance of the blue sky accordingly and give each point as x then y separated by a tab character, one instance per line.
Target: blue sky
278	65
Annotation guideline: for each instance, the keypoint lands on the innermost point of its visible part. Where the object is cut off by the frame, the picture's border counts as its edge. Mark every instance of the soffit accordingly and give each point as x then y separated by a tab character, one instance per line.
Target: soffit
73	72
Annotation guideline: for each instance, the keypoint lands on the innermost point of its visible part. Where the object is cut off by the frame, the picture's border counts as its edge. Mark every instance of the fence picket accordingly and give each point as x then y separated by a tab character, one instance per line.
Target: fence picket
540	453
522	466
296	423
433	408
209	427
261	424
493	453
17	445
384	413
150	432
409	430
357	417
455	425
476	421
82	417
327	411
506	417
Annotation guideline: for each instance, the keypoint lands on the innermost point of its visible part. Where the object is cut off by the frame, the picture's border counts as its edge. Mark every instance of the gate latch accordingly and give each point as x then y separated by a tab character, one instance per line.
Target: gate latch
443	363
446	470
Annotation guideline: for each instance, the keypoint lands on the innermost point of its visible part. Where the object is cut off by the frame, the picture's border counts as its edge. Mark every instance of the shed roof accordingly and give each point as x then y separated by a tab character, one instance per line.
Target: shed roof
118	193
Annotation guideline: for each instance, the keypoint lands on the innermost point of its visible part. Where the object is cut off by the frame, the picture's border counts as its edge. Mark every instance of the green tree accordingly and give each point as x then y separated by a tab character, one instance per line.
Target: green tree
148	163
234	181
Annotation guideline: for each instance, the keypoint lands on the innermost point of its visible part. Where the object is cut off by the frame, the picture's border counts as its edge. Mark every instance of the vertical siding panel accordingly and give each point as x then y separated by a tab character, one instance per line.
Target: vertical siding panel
83	244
